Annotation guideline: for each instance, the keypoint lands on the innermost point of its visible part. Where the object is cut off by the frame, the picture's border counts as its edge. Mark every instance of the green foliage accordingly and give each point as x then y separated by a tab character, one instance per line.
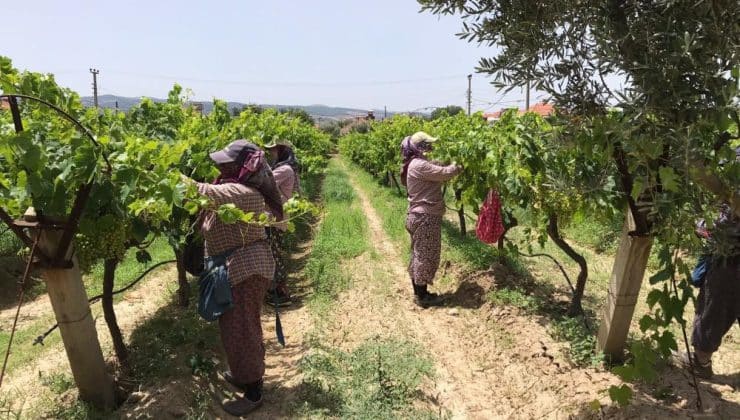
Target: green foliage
200	365
58	382
620	394
520	156
9	243
139	194
378	150
601	235
378	379
514	297
449	110
582	350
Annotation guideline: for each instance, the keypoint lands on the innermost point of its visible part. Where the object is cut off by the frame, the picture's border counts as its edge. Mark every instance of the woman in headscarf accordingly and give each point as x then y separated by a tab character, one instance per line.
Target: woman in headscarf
285	168
245	180
423	180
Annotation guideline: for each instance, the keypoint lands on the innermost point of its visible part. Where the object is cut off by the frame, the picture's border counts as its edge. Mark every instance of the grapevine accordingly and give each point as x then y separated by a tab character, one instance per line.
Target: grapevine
133	168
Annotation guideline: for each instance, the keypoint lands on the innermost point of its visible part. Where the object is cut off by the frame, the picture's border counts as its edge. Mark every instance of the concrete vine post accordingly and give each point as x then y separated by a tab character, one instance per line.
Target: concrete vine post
624	289
77	327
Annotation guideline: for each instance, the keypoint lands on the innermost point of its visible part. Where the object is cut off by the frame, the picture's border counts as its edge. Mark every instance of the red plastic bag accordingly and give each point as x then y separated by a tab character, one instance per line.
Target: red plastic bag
490	224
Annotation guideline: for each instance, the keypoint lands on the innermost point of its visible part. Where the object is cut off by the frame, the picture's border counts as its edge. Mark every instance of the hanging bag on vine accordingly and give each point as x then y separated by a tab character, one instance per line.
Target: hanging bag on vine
490	225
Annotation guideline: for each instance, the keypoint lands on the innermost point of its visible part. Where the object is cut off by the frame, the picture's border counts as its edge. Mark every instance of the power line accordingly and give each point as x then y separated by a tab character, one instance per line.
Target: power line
286	83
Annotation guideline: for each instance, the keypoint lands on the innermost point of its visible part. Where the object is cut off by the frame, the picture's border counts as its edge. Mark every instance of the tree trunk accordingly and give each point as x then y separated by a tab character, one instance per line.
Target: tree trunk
183	290
507	227
398	185
109	273
461	212
554	233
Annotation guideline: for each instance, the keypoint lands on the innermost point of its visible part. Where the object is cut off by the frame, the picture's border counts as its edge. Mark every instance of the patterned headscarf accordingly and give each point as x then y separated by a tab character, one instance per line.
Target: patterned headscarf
409	152
286	156
255	172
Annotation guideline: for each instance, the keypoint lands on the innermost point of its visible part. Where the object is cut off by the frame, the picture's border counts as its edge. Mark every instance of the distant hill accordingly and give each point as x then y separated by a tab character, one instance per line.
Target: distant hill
318	112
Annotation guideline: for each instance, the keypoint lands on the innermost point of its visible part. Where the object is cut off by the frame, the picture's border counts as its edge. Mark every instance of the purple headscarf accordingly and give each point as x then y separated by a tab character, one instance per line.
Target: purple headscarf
409	152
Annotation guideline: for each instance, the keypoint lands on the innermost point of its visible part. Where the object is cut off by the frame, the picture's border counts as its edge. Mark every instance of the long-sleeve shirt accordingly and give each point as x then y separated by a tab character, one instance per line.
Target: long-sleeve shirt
424	186
285	180
252	255
724	238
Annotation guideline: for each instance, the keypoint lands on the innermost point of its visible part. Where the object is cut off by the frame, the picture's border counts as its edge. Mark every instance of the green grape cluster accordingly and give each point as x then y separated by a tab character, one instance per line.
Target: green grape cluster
106	243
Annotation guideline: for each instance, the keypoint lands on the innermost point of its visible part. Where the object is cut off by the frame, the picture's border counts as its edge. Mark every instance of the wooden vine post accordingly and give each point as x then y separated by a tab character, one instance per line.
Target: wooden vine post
77	327
624	289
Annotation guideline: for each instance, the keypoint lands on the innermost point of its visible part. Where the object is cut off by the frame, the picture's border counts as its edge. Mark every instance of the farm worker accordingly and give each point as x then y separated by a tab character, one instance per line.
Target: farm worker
285	168
423	180
245	180
718	303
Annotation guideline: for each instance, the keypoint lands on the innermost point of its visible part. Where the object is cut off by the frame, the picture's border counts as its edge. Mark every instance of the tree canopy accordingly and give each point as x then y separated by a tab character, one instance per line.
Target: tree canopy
670	69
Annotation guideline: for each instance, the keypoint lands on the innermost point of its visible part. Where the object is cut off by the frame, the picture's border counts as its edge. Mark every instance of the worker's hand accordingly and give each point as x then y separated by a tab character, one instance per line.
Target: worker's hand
186	179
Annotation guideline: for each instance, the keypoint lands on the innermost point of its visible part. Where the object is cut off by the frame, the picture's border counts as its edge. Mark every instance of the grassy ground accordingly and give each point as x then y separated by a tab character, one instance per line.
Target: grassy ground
377	378
341	236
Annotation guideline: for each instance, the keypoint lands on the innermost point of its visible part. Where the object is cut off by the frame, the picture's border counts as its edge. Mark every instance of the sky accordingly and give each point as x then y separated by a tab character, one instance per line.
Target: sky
351	53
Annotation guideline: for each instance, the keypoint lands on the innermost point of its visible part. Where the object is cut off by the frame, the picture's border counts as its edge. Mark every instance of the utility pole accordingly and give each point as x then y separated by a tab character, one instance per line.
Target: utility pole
458	192
526	101
470	93
385	112
95	85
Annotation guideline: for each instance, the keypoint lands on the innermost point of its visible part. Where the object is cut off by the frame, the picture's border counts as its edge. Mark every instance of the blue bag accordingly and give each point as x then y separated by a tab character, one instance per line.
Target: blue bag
700	271
215	291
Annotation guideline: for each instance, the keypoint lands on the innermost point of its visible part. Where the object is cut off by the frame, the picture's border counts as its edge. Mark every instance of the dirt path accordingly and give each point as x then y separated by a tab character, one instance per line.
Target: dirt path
11	271
282	376
488	366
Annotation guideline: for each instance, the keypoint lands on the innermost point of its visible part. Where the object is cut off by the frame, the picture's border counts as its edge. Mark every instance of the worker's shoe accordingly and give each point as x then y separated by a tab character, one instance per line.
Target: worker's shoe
428	299
241	406
702	370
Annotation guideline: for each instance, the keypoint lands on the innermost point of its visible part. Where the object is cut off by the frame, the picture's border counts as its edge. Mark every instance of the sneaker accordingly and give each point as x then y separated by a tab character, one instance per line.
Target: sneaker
278	299
428	300
242	406
681	359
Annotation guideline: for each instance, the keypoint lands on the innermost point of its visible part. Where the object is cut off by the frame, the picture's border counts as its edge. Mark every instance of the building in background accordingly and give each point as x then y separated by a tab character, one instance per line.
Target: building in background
541	109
